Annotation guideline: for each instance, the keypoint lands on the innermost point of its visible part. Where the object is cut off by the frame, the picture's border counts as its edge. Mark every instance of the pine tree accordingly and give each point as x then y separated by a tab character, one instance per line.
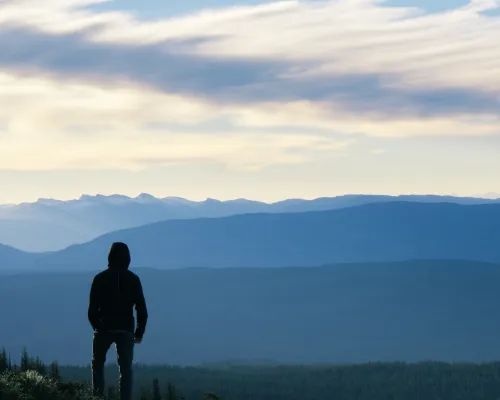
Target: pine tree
4	361
156	390
54	371
171	392
40	366
25	361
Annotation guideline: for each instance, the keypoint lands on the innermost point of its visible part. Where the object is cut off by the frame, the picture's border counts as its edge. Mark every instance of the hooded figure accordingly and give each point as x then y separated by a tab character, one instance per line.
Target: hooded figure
119	256
113	295
118	260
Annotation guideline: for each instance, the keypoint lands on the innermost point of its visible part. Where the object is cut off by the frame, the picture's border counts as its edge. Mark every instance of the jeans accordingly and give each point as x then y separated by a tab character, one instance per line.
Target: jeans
124	342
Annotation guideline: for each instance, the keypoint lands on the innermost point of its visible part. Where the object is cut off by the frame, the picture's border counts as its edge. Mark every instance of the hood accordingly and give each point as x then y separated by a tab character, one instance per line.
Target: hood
119	256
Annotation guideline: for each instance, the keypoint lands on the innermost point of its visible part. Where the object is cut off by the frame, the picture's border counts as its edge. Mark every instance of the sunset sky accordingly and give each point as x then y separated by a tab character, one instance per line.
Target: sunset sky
255	99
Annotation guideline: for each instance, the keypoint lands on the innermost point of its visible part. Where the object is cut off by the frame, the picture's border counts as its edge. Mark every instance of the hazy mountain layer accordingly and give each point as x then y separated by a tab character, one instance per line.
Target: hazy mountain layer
48	224
13	260
441	310
380	232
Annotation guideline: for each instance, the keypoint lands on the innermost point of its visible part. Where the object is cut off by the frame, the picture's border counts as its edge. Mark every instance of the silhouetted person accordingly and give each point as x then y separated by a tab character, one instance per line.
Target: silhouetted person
113	295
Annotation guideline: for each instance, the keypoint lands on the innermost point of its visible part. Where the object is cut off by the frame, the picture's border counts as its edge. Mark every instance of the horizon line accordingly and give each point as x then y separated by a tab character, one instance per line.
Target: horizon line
83	196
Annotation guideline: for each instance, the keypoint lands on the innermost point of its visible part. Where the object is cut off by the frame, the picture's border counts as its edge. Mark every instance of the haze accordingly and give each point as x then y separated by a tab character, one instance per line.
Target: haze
255	99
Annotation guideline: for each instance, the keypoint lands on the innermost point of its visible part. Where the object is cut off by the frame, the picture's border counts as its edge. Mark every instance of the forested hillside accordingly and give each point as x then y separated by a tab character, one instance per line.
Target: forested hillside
376	381
33	380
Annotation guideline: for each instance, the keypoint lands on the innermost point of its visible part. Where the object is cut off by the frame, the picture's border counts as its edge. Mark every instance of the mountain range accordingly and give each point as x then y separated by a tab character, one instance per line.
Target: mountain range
376	232
52	225
351	279
407	311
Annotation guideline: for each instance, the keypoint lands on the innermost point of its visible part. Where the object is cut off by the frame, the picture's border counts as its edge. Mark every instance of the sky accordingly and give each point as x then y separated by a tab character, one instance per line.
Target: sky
259	99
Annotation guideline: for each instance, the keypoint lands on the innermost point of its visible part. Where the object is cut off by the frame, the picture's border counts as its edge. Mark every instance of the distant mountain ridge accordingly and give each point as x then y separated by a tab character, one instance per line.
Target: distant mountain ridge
339	200
376	232
50	225
12	259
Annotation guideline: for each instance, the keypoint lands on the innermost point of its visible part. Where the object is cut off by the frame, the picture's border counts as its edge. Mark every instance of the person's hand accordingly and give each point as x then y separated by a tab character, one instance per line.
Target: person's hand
137	339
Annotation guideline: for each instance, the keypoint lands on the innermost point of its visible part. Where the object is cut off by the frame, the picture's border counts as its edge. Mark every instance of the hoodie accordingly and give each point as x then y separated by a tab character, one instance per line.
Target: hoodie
114	294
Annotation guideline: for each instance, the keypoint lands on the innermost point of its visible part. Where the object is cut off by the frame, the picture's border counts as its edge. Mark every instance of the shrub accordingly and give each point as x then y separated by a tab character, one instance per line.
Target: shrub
32	385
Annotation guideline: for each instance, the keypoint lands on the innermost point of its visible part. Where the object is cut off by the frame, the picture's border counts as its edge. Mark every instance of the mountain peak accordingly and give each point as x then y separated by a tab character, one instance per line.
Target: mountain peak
48	202
209	200
177	200
146	198
102	197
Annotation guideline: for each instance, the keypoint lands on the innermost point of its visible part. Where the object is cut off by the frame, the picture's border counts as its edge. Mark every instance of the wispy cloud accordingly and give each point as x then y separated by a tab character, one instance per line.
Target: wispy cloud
110	126
91	81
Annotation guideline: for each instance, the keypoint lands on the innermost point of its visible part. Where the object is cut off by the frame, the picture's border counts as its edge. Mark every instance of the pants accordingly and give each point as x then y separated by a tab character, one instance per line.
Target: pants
124	342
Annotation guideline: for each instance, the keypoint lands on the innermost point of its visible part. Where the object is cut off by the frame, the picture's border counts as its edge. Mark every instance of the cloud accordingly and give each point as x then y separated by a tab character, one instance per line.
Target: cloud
350	52
324	72
110	127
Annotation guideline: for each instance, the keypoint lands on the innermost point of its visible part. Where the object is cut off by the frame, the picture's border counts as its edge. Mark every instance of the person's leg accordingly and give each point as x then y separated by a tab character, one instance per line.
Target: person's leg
125	349
100	347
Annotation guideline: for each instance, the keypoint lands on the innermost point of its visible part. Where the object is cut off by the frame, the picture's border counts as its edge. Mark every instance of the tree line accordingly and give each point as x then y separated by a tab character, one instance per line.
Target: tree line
372	381
31	379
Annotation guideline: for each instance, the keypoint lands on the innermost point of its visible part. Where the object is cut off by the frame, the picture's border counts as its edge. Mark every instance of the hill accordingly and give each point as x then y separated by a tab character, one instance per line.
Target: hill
50	225
12	260
375	232
409	311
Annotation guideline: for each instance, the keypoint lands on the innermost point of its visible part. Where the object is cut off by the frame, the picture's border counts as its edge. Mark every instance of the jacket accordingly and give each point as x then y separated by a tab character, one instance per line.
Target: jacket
114	294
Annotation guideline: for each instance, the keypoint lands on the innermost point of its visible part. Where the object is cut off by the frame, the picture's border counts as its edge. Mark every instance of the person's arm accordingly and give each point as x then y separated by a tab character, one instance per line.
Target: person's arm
141	310
94	305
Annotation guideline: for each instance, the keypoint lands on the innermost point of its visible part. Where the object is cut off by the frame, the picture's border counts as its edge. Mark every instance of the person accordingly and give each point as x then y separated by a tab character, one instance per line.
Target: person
113	295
